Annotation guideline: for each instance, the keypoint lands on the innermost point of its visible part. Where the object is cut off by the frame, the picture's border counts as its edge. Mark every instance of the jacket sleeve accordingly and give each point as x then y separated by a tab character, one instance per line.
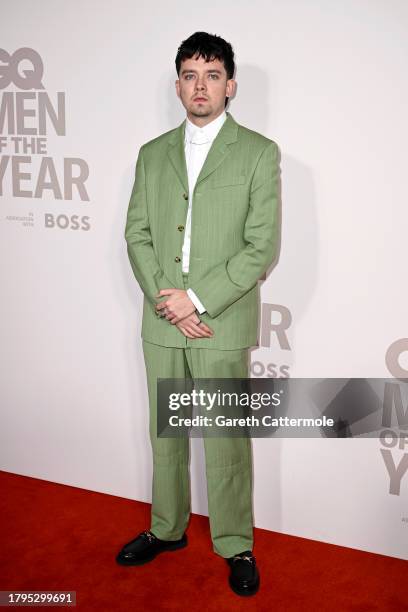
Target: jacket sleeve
143	261
231	279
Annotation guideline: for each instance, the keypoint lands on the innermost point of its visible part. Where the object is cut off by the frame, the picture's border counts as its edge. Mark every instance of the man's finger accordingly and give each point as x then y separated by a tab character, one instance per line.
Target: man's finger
195	333
192	322
185	332
161	305
202	325
166	292
198	329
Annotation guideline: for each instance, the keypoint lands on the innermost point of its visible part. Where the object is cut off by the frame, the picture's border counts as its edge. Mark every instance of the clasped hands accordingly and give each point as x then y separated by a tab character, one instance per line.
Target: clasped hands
179	310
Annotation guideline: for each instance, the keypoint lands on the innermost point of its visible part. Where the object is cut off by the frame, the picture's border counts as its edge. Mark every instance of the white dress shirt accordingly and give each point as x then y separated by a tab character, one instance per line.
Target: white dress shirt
197	143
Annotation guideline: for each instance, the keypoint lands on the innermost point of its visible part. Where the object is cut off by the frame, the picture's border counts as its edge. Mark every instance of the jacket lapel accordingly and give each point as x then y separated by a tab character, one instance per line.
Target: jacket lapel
216	155
219	149
177	156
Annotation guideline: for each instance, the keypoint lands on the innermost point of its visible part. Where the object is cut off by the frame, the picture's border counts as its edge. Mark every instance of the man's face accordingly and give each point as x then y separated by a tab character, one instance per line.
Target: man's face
202	88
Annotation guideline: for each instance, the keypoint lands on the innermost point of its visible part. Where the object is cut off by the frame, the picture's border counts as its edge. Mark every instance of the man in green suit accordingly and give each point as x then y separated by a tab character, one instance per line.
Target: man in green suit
201	230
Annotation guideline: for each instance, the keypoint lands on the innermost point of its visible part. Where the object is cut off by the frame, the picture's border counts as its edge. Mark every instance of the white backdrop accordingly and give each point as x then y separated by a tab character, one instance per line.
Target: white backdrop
326	81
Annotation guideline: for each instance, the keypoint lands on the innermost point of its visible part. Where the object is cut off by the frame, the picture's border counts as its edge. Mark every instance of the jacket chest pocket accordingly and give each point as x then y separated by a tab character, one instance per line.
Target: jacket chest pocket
228	181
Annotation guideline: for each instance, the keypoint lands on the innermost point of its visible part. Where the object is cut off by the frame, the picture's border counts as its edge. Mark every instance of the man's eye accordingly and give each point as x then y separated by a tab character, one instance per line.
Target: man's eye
214	76
187	76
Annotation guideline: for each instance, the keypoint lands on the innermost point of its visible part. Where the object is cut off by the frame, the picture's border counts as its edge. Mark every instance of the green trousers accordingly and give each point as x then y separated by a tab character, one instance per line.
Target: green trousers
228	460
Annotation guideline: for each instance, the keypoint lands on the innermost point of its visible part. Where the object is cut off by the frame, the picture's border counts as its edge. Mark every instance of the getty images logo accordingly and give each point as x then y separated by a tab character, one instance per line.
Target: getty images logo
28	120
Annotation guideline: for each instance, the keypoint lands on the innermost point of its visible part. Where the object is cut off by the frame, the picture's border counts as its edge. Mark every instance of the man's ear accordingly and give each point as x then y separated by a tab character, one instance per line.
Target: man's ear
231	87
177	83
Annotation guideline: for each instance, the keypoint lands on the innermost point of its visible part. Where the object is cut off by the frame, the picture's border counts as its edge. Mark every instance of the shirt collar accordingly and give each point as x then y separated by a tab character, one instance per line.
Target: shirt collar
210	130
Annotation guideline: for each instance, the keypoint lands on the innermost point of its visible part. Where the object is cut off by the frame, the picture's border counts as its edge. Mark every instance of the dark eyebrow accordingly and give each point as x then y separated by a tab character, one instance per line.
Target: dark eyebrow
192	70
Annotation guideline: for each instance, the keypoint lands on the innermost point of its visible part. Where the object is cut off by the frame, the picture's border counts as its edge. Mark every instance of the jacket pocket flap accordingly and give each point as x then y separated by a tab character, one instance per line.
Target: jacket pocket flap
228	181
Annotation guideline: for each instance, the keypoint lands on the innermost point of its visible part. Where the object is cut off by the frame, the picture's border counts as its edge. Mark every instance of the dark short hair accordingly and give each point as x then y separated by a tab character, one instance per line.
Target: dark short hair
208	46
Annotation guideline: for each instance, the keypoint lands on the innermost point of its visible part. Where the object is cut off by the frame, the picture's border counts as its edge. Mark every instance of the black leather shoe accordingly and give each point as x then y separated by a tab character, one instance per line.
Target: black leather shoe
244	577
145	547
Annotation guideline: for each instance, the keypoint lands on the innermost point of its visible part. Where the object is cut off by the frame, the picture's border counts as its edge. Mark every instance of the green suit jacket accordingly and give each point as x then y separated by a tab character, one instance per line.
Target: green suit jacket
234	231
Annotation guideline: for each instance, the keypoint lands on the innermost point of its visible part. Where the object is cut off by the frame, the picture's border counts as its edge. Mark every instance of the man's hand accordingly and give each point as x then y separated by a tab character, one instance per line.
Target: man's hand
192	327
178	305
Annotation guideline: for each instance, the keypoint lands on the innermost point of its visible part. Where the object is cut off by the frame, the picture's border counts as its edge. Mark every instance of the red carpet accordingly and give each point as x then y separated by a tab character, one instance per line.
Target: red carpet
56	537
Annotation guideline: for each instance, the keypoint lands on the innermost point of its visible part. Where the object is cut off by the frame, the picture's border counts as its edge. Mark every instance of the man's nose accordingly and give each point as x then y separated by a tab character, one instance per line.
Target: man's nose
200	84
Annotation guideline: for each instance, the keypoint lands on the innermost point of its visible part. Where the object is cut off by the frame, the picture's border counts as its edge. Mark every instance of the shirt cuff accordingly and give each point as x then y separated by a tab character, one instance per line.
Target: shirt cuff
199	306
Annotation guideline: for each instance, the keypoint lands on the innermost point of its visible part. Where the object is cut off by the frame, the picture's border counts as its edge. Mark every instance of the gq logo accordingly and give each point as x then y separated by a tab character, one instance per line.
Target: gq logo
394	449
24	135
9	64
393	356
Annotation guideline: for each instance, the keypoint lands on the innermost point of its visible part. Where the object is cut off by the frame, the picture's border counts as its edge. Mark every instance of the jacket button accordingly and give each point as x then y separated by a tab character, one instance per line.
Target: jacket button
177	259
185	196
180	228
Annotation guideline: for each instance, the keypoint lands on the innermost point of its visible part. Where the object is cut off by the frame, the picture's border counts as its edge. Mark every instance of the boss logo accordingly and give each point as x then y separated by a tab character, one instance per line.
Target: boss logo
74	222
269	370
